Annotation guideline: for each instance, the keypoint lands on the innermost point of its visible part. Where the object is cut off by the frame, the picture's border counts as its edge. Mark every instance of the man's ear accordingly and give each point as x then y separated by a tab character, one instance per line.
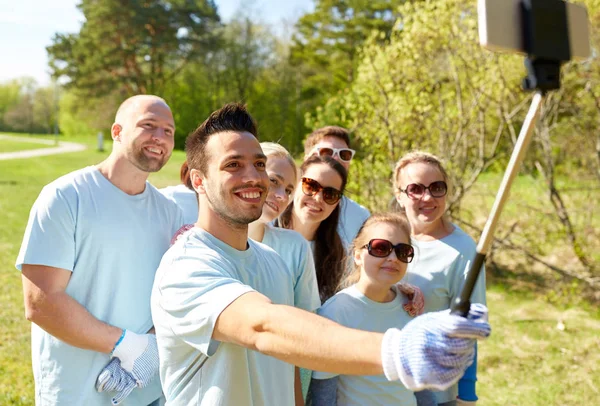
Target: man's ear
197	181
115	131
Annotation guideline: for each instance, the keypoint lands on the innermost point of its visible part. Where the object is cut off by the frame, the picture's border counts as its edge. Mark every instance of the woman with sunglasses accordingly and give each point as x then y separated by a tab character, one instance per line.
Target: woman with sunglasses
290	245
372	300
444	250
314	213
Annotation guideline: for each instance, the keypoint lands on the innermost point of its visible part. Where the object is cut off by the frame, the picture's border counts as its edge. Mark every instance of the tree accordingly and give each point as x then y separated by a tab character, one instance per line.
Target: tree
326	44
133	46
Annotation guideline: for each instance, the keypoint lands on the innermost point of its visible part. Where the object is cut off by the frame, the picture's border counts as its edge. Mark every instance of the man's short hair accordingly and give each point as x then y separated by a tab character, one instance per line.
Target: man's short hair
230	117
330	131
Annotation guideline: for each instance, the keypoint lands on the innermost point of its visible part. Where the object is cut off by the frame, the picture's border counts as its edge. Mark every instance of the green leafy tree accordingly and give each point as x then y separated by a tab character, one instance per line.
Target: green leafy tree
327	42
133	46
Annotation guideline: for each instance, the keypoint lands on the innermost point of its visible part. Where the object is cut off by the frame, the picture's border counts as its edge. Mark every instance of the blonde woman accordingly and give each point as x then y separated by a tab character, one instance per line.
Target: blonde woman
421	186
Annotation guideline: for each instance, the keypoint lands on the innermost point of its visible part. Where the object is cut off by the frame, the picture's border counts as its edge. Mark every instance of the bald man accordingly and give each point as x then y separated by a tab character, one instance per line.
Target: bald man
93	242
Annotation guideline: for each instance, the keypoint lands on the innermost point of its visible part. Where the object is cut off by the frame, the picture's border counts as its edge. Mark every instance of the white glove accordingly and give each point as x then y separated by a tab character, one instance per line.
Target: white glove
113	378
134	364
434	350
138	354
460	402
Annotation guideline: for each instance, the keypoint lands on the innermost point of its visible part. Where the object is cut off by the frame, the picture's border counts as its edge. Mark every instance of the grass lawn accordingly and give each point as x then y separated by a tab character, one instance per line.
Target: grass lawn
12	146
529	359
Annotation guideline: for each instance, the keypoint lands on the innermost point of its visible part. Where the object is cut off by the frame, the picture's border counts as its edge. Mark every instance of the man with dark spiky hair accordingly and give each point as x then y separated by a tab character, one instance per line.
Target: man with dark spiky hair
222	304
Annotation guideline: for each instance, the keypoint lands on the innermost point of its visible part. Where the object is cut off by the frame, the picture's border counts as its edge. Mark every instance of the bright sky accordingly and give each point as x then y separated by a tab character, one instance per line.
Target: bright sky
27	27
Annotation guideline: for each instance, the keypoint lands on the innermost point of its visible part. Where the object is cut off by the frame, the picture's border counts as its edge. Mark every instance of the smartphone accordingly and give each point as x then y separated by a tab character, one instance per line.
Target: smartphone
500	27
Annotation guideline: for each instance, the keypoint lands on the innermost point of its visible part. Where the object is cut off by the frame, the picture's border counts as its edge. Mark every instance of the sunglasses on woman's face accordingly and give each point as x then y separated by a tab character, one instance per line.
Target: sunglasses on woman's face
345	154
416	191
381	248
311	187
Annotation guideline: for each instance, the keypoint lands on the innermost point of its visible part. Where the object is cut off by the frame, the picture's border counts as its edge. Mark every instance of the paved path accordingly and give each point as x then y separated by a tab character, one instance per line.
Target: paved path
63	146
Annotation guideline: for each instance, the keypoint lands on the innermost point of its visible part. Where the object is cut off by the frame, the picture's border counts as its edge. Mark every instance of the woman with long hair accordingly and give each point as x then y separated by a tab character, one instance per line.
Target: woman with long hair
444	251
291	246
314	213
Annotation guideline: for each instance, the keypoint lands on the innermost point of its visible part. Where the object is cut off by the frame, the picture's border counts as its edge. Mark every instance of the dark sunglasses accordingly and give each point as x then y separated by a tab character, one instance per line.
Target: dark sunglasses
416	191
345	154
311	187
381	248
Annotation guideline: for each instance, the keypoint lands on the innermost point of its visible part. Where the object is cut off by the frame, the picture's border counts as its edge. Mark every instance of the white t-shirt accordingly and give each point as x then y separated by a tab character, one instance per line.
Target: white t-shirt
439	269
112	243
353	309
352	217
297	255
198	278
186	199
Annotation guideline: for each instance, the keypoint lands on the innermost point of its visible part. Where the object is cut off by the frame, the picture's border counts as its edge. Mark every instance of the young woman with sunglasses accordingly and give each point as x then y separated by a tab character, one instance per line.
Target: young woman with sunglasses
444	250
372	300
314	213
290	245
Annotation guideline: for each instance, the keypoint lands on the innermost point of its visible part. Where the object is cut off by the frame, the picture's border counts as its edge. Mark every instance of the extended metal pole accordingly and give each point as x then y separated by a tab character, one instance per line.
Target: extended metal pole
463	302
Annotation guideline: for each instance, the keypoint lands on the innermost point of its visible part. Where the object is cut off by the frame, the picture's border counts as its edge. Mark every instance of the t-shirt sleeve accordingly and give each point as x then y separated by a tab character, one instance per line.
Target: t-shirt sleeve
49	237
193	293
306	289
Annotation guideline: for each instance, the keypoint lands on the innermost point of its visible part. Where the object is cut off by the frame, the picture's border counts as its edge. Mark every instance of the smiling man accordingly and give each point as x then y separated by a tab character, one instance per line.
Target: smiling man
91	248
222	304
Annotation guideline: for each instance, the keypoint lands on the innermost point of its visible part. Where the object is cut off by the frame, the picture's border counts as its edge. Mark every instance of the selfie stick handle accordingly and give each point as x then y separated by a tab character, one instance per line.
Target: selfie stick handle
462	304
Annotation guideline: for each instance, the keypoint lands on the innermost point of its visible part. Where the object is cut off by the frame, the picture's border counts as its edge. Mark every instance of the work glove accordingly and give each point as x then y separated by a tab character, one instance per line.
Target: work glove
434	350
135	355
113	378
416	300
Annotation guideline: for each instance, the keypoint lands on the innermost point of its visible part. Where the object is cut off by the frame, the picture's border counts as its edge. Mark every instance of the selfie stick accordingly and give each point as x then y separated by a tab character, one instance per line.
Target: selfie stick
543	66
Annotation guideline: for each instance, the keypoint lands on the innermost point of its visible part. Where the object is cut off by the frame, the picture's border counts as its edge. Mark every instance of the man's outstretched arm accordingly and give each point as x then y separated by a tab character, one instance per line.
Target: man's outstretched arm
431	351
298	337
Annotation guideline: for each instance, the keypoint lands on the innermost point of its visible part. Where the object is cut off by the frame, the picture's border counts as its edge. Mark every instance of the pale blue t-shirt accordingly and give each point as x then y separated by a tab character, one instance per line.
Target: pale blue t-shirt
198	278
439	269
353	309
186	199
297	255
112	243
352	217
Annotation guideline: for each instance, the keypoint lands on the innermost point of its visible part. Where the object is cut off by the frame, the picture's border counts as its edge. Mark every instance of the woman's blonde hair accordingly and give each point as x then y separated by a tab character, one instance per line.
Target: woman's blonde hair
416	157
396	219
272	149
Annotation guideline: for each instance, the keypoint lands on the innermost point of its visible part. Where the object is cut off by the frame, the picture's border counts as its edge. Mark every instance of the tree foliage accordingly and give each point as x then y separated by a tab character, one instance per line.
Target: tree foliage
327	42
136	46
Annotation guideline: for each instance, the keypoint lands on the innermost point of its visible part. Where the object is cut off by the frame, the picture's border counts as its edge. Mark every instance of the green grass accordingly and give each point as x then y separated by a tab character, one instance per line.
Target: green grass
13	146
526	361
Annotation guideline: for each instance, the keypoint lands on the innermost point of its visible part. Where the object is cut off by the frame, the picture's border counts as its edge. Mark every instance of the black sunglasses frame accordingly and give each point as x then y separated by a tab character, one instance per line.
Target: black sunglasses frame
425	189
316	187
407	259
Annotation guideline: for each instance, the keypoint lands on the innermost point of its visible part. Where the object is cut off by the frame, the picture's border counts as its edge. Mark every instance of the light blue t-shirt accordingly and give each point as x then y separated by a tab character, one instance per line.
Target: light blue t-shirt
186	199
353	309
439	269
198	278
112	243
297	255
352	217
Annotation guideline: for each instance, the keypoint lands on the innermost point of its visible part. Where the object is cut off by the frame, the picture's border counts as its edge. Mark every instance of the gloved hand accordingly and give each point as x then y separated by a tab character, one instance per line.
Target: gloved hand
434	350
460	402
134	365
138	354
113	378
